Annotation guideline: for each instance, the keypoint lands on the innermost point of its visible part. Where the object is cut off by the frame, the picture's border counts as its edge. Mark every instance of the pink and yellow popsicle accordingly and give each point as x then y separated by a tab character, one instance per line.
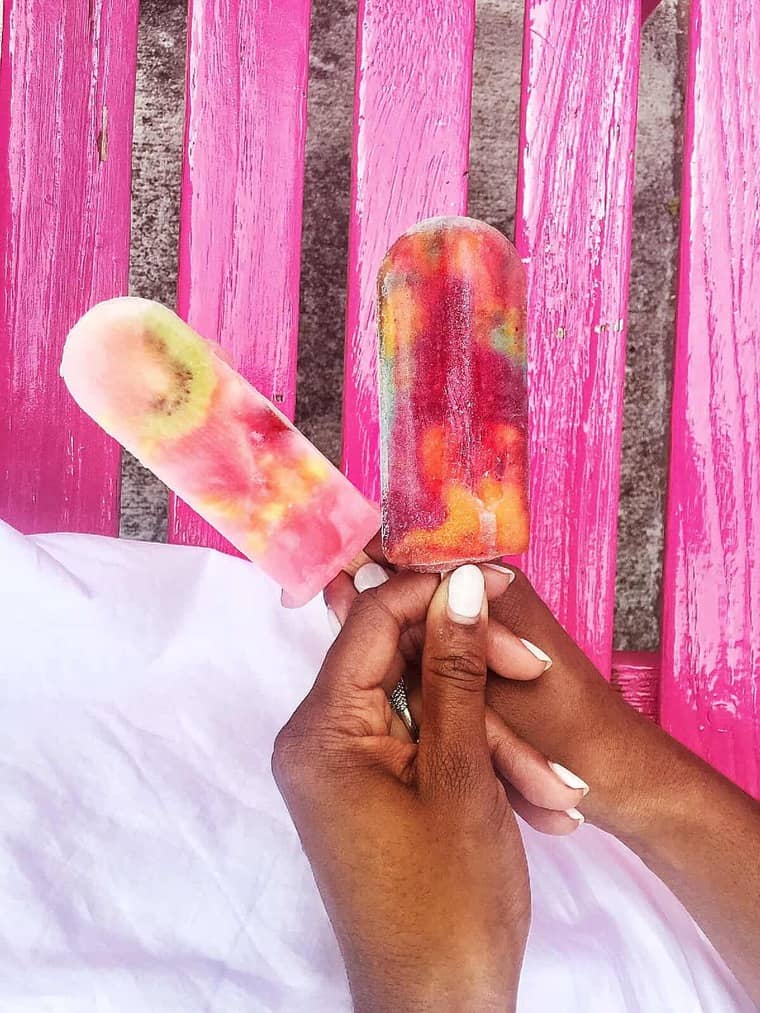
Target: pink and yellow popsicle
453	396
168	396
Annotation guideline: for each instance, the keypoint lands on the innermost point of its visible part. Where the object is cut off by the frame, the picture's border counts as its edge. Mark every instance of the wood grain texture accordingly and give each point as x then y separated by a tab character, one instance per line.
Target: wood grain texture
242	190
711	589
67	76
573	230
410	159
637	675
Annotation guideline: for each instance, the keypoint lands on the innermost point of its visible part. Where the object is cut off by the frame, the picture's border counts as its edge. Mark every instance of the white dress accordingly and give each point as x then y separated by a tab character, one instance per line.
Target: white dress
147	863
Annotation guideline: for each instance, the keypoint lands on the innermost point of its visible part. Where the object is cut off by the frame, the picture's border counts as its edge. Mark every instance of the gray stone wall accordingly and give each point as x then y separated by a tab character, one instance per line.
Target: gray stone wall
157	161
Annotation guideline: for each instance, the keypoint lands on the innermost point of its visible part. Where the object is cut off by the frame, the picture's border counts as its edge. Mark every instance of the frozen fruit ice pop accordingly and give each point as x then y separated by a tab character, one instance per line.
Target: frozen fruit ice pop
453	396
169	397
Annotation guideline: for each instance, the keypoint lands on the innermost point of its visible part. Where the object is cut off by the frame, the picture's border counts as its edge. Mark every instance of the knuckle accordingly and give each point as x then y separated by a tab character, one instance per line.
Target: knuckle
465	668
368	604
295	750
452	771
284	759
517	603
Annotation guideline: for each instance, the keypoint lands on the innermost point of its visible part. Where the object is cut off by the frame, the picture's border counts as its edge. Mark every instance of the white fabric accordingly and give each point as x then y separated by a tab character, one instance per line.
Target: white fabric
146	861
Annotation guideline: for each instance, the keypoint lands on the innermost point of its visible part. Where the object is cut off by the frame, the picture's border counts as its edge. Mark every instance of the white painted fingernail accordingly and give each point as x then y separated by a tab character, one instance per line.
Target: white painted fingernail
369	575
467	587
538	653
509	574
569	778
333	622
574	814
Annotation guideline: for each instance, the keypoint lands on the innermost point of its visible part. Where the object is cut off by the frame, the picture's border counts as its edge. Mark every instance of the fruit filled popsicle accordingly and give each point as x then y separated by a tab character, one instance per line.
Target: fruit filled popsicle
169	397
453	396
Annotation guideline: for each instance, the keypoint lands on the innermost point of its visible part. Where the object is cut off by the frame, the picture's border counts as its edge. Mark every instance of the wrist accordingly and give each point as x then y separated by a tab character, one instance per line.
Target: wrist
386	998
657	791
455	986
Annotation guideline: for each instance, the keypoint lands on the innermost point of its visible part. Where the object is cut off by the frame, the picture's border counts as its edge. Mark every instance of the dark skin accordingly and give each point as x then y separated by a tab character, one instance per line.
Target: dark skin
695	829
415	848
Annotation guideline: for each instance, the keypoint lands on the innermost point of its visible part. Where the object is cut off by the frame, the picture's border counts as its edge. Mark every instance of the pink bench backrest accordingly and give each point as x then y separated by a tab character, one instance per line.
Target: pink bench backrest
711	586
65	246
242	188
67	81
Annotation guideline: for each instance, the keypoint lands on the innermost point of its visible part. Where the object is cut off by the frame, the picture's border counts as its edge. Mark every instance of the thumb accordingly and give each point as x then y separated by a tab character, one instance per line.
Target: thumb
454	675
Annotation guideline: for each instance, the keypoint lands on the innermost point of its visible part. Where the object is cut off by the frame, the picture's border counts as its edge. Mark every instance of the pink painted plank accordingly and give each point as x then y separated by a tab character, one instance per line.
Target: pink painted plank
648	7
67	78
637	675
573	229
242	189
410	159
711	589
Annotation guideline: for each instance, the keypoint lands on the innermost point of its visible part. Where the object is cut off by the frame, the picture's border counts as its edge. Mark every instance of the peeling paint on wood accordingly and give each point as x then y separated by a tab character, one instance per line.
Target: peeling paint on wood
573	229
637	675
64	245
242	191
103	136
711	590
410	161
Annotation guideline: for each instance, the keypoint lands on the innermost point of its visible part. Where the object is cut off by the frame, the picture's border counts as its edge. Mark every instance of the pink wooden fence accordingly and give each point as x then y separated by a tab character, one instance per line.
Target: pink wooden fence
247	69
67	79
711	589
65	115
573	229
413	80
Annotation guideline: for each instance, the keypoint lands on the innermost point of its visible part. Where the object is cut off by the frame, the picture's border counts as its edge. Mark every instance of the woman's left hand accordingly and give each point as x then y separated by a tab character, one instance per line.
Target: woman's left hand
414	847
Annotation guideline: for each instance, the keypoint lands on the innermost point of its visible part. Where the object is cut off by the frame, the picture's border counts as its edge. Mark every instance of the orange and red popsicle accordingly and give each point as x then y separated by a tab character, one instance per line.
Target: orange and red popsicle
453	396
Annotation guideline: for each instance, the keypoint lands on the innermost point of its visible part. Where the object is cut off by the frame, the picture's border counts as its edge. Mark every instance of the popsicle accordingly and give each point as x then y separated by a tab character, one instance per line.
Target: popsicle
453	396
170	398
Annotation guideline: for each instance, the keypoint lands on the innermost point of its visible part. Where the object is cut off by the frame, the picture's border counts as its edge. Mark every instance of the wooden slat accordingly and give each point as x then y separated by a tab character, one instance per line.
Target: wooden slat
410	158
242	189
711	590
573	229
637	675
648	7
67	77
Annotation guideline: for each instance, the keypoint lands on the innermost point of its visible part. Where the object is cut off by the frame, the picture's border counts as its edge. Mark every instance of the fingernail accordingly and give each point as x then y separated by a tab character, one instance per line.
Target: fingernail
369	575
467	588
538	653
569	778
574	814
509	574
333	622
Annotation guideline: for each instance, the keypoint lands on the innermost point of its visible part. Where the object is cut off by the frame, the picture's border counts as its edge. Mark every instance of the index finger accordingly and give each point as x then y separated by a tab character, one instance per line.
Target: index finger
362	657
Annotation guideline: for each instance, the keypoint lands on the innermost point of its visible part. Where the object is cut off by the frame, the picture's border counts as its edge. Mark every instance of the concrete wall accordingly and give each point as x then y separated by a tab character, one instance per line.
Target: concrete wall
157	159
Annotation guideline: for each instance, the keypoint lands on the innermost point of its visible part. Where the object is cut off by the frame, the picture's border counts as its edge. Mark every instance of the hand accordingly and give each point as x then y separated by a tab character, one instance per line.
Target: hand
692	827
689	824
547	807
414	848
